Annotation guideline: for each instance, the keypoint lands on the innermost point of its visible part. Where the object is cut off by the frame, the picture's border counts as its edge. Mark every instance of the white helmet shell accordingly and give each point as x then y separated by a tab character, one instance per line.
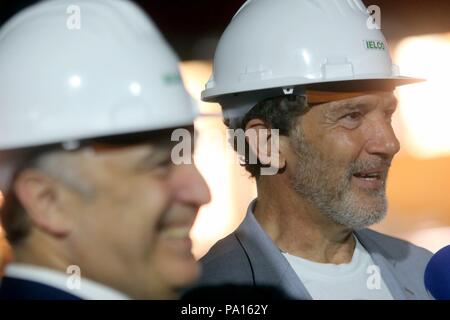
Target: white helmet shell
288	43
113	73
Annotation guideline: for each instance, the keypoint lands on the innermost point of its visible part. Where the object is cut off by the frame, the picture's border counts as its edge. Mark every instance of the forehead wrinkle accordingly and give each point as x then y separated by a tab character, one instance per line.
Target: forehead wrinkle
334	109
344	105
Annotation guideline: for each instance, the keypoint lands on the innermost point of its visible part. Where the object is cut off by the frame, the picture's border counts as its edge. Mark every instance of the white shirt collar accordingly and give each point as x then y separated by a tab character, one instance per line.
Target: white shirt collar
89	290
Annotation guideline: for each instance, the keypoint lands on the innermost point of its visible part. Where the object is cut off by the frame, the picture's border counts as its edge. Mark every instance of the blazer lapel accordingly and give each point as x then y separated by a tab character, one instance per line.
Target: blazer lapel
392	277
268	264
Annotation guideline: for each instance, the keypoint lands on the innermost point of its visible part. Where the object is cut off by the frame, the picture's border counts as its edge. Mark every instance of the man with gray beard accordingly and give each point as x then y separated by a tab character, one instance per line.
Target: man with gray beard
318	179
321	104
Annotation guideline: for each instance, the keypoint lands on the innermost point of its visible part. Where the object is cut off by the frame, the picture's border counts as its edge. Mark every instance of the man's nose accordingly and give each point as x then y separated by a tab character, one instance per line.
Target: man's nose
191	187
383	141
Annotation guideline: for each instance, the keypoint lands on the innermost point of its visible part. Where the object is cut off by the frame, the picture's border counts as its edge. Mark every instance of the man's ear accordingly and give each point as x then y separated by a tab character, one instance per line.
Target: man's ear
41	196
265	144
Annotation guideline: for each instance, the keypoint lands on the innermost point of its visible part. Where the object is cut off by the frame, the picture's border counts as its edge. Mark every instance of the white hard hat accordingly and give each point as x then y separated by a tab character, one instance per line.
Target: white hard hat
274	47
115	74
78	69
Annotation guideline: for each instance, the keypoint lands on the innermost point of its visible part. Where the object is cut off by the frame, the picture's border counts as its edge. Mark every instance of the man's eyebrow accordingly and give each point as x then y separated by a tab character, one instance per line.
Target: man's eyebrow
346	106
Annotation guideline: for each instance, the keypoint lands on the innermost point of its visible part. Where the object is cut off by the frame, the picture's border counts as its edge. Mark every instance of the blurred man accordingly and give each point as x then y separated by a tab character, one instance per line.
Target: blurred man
94	206
319	75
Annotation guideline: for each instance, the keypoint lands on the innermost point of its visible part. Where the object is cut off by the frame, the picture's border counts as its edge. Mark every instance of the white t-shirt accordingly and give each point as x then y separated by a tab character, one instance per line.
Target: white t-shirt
358	280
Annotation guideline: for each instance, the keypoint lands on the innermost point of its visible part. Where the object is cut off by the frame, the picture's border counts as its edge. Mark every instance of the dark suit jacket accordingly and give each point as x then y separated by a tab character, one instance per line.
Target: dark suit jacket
19	289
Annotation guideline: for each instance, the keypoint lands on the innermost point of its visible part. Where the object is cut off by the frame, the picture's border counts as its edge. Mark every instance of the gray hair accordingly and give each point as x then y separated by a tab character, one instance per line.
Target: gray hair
57	164
279	113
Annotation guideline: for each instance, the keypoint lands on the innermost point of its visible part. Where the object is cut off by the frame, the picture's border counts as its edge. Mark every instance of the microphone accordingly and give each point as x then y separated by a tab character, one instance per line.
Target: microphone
437	275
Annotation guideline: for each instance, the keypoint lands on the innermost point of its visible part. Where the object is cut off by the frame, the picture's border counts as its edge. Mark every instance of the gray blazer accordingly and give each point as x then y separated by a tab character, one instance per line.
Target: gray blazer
249	257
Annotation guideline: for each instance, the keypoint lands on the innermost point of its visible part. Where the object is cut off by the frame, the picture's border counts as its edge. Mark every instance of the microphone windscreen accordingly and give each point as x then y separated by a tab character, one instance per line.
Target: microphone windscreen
437	275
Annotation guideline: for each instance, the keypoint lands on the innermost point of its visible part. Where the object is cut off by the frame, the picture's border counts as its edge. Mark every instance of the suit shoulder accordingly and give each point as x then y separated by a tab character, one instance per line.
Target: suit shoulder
397	248
227	251
226	262
21	289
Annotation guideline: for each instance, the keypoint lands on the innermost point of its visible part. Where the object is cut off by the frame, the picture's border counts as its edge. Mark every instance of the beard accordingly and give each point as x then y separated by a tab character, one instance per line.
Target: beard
327	184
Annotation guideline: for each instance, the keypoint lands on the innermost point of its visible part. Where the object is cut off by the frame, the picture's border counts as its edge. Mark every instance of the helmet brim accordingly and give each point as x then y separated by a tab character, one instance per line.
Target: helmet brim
355	84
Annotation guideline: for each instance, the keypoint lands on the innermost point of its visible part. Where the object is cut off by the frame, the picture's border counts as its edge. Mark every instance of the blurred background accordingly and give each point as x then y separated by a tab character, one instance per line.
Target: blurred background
418	32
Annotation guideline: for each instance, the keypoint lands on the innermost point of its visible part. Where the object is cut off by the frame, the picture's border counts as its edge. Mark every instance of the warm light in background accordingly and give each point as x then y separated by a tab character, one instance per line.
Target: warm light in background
431	238
425	107
231	190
